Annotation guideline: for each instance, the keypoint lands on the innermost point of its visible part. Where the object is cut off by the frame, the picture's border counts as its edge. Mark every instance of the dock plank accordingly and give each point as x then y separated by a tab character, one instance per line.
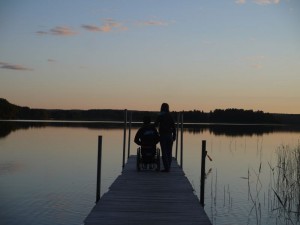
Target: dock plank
149	197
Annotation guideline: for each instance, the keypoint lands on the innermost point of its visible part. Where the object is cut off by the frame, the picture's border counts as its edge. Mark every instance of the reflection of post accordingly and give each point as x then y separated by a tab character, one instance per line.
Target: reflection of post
177	129
124	138
204	152
181	142
99	168
129	133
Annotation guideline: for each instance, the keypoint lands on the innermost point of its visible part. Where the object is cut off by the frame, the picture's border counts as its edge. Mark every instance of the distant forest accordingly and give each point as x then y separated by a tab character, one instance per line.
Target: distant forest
10	111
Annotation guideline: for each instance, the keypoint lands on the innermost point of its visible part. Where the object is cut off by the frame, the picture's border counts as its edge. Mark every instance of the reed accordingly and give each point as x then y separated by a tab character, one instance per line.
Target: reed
286	184
254	196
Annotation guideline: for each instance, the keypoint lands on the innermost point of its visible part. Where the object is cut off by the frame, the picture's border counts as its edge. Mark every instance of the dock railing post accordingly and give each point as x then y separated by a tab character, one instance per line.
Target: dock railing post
99	161
124	137
202	185
181	142
177	129
129	133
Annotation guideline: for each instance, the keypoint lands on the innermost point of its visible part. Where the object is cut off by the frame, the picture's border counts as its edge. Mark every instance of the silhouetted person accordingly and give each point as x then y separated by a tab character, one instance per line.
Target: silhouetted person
167	134
147	137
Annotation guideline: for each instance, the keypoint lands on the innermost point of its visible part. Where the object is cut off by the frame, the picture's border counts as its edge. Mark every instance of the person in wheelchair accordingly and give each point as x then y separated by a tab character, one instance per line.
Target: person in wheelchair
147	137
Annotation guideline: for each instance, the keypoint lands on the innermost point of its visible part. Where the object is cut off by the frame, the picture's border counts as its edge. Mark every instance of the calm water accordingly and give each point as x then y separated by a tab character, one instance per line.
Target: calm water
48	170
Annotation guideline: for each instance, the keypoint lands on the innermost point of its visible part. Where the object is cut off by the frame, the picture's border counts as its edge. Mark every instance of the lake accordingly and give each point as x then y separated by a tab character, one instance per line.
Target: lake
48	170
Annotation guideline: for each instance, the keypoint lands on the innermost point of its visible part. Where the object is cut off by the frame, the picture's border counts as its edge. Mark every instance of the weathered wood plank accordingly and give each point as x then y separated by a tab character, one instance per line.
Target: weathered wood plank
149	197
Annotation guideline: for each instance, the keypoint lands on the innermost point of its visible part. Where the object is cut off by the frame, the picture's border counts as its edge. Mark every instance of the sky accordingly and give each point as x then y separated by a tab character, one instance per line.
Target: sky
137	54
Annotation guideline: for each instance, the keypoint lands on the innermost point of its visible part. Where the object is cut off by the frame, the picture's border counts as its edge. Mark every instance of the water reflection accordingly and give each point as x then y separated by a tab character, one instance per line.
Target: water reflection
285	185
234	130
254	185
6	127
52	171
10	167
239	130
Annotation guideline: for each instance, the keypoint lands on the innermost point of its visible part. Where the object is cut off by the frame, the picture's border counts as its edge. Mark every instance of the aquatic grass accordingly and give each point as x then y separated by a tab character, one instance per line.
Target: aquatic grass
286	184
271	200
255	197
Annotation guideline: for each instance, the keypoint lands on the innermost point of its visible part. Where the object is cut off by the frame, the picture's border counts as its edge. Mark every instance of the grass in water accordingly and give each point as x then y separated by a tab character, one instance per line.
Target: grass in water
286	185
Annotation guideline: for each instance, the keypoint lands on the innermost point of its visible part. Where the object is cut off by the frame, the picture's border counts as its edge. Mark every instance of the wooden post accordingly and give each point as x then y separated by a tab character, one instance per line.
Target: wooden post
99	161
124	137
129	133
177	130
202	185
181	142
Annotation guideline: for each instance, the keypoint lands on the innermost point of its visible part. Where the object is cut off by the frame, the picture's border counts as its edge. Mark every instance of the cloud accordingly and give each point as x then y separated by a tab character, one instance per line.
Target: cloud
42	32
111	22
10	66
108	26
240	1
266	2
152	23
259	2
51	60
91	28
63	31
58	30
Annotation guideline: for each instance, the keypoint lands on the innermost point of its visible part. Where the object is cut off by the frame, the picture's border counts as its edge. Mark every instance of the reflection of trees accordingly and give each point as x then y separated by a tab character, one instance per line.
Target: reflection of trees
6	127
239	130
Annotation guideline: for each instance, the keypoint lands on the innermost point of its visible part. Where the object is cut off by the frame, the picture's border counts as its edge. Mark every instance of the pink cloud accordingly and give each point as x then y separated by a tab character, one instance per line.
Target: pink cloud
259	2
240	1
108	26
42	32
266	2
153	23
9	66
59	30
63	31
91	28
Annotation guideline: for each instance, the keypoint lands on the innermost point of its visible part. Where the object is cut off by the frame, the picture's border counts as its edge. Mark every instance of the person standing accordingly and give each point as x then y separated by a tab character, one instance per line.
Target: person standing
167	133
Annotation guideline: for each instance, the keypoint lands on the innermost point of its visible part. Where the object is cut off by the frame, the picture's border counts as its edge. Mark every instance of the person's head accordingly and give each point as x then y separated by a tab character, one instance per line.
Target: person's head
146	120
164	107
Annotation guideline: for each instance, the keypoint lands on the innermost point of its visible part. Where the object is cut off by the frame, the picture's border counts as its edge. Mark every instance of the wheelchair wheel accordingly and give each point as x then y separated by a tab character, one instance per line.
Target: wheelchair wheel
158	159
138	159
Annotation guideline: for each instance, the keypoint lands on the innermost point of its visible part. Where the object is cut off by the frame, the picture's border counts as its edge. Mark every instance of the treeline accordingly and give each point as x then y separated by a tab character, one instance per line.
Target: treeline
241	116
10	111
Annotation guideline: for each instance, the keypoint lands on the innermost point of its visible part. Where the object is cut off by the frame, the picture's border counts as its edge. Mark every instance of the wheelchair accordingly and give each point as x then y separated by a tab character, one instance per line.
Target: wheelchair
148	159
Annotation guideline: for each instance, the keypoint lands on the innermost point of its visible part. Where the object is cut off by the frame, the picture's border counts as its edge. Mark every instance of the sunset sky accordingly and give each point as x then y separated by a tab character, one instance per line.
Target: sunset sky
136	54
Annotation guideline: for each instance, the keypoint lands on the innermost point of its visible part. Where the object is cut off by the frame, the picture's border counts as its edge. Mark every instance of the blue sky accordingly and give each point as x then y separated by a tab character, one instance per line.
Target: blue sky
84	54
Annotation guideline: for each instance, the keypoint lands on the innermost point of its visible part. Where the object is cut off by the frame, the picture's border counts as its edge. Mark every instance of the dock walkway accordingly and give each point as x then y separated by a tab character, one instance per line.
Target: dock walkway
149	198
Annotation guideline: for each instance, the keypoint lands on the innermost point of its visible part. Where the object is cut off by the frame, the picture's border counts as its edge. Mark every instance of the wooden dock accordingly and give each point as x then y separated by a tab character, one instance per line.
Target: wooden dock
149	198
